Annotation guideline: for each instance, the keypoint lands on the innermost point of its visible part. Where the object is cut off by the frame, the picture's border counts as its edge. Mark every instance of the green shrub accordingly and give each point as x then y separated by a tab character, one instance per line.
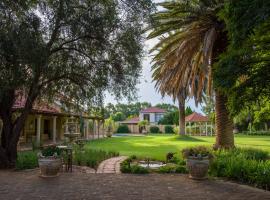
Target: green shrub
267	133
173	168
181	169
169	129
168	168
127	167
91	158
136	169
176	129
51	151
122	129
27	160
154	129
244	165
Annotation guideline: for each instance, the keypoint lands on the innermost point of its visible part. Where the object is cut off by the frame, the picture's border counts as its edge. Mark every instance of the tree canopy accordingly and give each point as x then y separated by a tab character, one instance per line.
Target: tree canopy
74	49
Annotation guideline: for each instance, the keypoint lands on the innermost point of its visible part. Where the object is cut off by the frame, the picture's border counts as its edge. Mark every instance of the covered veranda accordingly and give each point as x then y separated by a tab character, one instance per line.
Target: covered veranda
198	124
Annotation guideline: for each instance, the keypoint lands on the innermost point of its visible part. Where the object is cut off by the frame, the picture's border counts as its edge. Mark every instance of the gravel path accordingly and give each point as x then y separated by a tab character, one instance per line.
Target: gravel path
72	186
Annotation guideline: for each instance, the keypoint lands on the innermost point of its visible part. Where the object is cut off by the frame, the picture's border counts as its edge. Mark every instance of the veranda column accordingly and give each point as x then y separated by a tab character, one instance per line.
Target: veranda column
54	129
38	129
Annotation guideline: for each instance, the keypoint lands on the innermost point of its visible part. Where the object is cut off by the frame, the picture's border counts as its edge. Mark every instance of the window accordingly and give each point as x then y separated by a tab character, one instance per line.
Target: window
158	117
146	117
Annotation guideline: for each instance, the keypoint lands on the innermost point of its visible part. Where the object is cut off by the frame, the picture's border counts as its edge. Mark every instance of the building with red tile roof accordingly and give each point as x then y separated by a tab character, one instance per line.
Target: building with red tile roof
196	117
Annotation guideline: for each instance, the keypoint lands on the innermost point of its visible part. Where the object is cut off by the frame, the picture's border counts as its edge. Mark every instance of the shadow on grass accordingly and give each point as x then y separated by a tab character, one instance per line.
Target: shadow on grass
187	138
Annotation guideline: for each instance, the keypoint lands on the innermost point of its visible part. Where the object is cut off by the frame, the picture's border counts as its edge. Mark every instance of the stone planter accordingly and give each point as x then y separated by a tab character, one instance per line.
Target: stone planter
49	166
198	167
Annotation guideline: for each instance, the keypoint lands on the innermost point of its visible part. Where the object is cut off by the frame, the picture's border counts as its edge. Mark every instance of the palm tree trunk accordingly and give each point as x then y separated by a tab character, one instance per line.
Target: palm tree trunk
181	102
224	125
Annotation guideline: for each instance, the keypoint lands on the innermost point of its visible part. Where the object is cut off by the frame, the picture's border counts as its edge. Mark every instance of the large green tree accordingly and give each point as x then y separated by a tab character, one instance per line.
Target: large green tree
243	71
191	38
78	48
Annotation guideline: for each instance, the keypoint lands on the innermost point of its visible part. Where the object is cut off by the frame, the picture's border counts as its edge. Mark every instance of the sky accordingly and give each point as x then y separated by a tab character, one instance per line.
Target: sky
146	88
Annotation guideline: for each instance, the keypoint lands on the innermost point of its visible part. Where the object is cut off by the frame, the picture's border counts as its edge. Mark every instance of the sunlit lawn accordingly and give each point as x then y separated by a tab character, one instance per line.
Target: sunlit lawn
156	146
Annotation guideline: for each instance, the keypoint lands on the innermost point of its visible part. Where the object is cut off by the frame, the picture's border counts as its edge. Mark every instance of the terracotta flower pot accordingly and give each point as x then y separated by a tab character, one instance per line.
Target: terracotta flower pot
198	168
49	166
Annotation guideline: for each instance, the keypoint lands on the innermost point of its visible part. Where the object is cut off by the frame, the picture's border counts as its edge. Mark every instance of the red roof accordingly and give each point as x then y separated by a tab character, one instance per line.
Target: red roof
153	110
134	120
40	107
196	117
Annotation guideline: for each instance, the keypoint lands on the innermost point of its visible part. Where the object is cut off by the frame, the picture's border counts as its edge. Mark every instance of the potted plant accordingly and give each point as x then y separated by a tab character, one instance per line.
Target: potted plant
49	161
197	161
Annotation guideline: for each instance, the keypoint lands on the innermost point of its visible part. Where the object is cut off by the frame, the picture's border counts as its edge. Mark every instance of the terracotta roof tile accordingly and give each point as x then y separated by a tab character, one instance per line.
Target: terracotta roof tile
153	110
196	117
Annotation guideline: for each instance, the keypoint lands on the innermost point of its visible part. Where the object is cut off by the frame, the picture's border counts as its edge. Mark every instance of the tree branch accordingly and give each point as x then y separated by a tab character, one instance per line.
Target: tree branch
57	25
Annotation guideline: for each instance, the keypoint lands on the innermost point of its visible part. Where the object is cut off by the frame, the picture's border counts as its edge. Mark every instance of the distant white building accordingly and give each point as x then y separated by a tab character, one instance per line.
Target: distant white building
153	115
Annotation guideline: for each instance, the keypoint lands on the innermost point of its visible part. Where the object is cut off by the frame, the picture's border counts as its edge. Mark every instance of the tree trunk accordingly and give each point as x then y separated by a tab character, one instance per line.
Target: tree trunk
224	125
12	128
182	125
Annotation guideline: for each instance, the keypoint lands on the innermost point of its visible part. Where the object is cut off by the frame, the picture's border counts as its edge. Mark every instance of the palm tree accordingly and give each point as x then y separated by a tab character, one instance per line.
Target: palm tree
191	37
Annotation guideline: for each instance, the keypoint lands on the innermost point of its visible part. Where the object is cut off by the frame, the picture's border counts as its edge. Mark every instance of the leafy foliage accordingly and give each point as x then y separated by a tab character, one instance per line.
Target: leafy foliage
91	158
154	129
244	165
168	129
241	71
127	167
27	160
171	118
119	116
122	129
51	150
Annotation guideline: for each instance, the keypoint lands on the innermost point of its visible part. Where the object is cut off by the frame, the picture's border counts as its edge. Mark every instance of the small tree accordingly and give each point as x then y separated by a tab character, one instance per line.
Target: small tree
110	126
142	125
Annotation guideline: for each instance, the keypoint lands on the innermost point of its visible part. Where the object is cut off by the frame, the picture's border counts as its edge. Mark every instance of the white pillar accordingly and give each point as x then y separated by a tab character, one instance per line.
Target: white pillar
38	129
54	129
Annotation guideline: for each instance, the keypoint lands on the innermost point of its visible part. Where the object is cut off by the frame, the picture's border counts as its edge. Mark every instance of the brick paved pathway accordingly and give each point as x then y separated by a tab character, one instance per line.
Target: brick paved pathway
111	166
28	186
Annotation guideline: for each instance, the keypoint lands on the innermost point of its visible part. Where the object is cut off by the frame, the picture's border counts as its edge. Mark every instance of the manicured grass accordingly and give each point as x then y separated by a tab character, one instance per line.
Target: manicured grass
156	146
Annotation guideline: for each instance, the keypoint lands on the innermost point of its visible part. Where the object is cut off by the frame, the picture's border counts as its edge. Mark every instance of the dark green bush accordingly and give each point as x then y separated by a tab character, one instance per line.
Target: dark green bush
136	169
169	129
267	133
154	129
122	129
51	151
127	167
27	160
181	169
244	165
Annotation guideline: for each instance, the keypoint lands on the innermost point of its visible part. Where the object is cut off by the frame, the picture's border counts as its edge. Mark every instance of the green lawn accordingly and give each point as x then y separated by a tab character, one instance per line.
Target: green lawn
156	146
